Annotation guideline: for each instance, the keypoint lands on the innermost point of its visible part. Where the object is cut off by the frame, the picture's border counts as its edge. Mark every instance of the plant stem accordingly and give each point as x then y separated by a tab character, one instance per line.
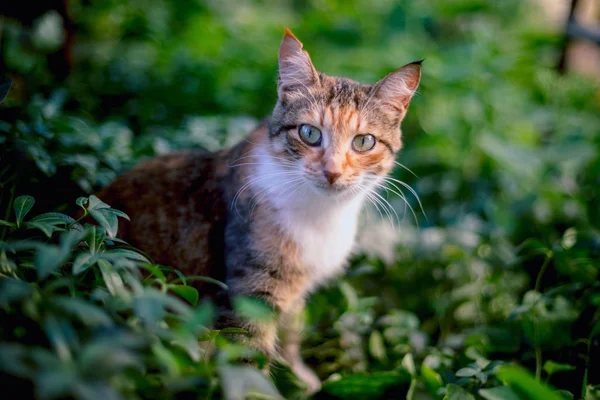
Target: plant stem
538	348
538	363
410	395
545	265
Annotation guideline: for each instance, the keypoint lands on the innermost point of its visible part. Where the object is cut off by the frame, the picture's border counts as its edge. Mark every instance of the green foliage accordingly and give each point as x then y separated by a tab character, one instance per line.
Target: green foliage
506	152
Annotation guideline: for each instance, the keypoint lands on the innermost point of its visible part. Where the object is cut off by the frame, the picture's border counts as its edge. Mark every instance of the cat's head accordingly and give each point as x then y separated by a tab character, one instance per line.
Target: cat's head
340	135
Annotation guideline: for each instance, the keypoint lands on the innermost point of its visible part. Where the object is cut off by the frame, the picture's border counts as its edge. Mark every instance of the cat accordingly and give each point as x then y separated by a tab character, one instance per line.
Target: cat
275	216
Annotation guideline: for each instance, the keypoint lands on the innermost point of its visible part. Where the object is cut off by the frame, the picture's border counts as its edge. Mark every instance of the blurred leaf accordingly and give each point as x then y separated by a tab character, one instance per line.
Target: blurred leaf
366	386
455	392
6	223
524	385
54	383
12	290
498	393
83	261
253	308
132	255
61	335
433	380
5	85
22	205
87	313
242	382
48	259
95	237
409	364
466	372
376	346
552	367
95	391
187	292
47	228
106	219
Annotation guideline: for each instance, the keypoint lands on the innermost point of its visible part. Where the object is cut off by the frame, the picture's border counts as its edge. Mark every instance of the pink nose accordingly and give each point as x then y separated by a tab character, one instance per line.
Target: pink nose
331	176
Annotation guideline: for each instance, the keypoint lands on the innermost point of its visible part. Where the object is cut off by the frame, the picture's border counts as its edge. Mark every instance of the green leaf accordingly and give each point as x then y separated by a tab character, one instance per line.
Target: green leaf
376	346
525	385
187	292
95	236
203	279
119	213
253	308
54	218
367	386
47	259
455	392
466	372
130	254
83	261
81	202
22	205
245	382
94	203
498	393
552	367
87	313
5	85
86	390
61	335
6	223
112	279
433	380
409	364
155	271
12	290
48	229
106	219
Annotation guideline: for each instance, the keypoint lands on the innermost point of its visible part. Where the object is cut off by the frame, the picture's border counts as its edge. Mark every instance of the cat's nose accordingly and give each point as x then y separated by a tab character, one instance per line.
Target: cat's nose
331	176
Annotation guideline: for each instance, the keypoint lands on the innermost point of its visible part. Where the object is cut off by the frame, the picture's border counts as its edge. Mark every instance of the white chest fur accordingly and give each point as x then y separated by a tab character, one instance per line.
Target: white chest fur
322	227
325	238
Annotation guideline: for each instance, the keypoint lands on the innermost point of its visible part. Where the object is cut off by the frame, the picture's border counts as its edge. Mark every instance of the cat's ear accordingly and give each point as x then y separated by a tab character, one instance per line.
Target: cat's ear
295	68
398	87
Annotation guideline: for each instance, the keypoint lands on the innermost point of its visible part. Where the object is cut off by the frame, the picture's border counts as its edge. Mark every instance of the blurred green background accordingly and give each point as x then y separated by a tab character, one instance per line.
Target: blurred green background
505	150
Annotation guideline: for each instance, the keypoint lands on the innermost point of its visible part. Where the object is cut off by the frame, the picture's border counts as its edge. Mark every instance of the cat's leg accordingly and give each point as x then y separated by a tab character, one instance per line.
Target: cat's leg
291	325
261	335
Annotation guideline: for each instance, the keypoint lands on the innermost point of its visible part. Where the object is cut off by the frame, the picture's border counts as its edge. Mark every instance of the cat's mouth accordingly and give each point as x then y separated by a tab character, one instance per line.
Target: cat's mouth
332	190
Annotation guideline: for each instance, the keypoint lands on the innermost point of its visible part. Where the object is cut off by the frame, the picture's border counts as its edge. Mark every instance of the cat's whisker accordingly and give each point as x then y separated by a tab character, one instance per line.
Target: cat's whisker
378	203
254	179
375	201
406	185
400	194
406	168
389	206
265	192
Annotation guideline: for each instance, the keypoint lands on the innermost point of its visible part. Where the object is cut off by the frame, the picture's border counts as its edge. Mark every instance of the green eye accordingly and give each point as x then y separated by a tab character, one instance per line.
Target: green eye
363	143
310	134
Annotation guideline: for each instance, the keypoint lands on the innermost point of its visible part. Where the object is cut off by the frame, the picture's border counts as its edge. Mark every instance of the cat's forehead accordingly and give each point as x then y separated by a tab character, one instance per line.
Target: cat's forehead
341	92
346	97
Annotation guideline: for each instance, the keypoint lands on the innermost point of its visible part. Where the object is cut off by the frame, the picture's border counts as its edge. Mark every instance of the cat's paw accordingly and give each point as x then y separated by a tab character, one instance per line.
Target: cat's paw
307	376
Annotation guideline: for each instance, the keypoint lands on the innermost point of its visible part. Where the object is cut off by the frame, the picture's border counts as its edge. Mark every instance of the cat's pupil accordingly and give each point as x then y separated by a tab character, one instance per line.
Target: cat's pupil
310	135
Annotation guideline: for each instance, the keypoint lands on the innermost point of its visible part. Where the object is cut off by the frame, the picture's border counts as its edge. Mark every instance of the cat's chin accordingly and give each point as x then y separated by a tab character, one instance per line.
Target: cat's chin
334	191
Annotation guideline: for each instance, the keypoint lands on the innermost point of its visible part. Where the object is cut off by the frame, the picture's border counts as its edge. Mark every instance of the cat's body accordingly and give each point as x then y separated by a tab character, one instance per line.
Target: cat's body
275	216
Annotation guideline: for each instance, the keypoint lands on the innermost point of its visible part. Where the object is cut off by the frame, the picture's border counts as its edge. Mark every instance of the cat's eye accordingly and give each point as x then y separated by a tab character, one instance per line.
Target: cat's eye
362	143
310	134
